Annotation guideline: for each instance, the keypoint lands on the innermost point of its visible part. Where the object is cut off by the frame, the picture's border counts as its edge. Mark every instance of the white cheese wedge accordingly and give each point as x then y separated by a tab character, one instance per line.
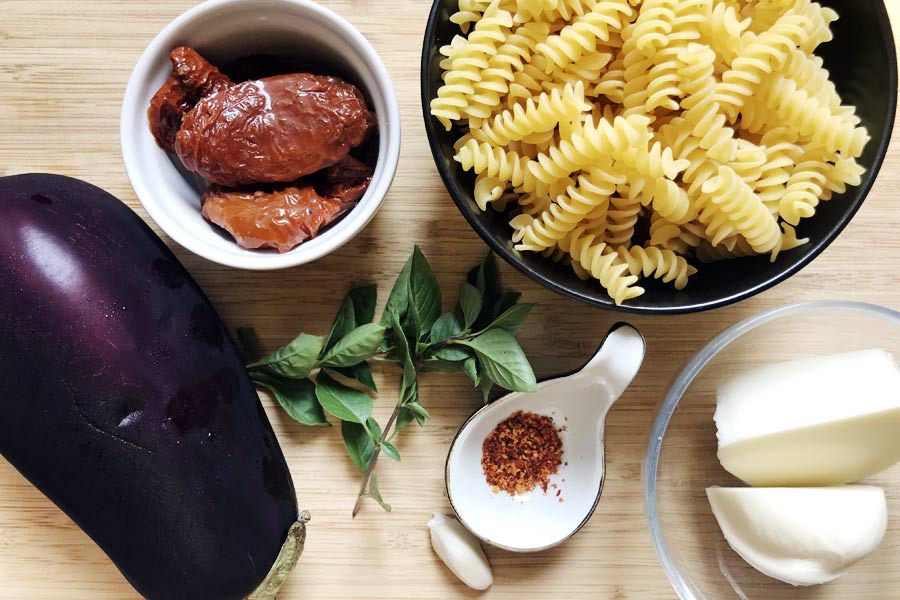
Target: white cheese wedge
802	536
813	422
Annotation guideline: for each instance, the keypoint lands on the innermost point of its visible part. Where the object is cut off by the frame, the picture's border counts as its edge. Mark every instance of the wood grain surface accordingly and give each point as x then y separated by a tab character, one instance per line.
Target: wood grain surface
63	69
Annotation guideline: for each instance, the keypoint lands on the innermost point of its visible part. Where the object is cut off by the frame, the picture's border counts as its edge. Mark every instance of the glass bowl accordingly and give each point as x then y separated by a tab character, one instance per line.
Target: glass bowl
681	459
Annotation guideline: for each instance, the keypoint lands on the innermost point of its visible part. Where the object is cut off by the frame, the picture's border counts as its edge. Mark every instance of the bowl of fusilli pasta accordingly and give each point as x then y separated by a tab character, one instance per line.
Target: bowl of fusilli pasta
658	156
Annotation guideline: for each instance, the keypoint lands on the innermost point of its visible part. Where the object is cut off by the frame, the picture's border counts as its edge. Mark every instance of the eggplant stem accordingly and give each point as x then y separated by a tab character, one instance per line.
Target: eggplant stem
285	562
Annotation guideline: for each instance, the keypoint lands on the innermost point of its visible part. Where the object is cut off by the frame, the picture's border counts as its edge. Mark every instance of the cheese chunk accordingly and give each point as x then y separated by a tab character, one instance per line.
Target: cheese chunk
812	422
802	536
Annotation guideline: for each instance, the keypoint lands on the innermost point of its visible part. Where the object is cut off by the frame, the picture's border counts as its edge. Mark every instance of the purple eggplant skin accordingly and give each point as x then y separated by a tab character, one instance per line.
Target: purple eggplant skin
123	399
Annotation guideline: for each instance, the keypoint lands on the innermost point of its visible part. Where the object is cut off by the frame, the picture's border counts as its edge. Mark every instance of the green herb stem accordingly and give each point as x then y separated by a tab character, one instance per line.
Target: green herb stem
364	483
313	375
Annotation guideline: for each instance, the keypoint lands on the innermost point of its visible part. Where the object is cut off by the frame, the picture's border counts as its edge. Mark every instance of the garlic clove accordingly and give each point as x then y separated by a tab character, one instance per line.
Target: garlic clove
460	551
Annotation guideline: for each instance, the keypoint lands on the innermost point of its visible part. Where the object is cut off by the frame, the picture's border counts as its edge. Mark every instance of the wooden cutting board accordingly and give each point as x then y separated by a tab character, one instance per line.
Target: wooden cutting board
63	69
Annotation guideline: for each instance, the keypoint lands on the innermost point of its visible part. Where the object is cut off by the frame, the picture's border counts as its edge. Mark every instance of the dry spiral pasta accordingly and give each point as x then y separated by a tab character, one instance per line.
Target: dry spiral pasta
581	36
467	63
593	190
702	110
749	160
665	197
527	10
659	263
588	142
619	224
759	59
535	116
488	190
732	207
511	56
654	23
665	85
470	11
629	138
602	262
782	155
722	30
813	119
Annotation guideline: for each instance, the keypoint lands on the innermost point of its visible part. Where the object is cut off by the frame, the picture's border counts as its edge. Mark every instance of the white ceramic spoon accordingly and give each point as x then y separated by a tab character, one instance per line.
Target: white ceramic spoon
578	403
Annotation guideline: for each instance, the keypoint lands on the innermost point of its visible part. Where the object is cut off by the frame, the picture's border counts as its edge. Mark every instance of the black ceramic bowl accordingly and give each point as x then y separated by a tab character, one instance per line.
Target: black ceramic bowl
863	65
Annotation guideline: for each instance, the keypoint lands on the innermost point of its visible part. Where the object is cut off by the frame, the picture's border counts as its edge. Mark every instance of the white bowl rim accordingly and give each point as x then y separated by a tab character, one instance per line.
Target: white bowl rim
343	231
685	377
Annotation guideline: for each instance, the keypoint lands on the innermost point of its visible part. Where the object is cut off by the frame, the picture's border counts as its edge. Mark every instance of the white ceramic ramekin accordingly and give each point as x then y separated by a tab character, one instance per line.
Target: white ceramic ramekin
223	30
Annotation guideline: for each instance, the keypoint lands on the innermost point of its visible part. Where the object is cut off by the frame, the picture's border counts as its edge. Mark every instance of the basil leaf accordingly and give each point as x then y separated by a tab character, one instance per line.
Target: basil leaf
475	278
248	342
412	405
374	430
358	345
412	392
359	445
492	289
470	368
506	301
412	411
408	381
409	326
491	276
424	294
404	418
413	395
361	373
436	365
447	326
513	318
357	308
486	385
486	279
295	360
390	450
418	409
364	299
470	304
344	403
296	396
344	323
375	494
503	361
453	353
395	355
398	301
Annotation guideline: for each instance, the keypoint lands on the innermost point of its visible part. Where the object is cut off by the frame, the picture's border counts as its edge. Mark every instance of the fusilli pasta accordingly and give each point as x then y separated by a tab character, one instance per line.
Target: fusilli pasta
630	137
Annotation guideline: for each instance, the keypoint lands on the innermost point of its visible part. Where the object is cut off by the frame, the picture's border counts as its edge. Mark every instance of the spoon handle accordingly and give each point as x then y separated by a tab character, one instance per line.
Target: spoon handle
617	361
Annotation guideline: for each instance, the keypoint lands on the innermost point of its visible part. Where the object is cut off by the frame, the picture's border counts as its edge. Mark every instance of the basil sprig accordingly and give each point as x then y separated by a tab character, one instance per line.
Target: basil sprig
314	376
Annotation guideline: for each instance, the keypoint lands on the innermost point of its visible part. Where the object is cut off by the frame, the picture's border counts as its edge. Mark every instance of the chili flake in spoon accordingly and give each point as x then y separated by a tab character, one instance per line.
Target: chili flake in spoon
522	453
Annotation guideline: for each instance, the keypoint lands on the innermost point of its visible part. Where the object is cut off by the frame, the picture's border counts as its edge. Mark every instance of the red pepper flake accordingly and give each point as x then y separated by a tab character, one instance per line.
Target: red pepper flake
558	492
521	453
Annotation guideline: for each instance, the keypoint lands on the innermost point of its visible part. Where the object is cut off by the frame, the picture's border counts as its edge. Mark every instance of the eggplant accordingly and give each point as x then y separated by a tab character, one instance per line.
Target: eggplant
124	400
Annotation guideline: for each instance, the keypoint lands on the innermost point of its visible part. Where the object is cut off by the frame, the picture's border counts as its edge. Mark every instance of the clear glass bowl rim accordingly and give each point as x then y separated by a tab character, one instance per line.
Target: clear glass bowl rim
684	379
